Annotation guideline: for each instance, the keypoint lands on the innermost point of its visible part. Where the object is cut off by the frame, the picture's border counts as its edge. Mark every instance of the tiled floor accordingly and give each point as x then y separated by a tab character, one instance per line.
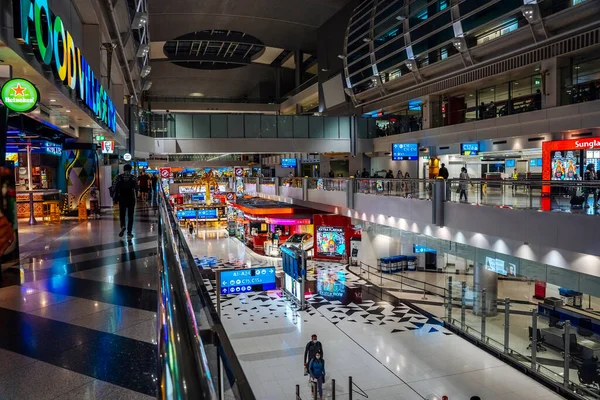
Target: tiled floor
391	350
79	318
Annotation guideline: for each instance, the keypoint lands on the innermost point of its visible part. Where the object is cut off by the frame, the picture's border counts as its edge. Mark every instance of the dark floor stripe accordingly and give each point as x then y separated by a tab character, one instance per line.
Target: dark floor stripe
111	358
112	293
70	252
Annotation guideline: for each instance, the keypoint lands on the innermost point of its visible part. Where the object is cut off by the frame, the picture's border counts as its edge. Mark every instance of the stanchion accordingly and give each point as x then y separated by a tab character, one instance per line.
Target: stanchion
506	323
483	313
350	390
567	360
463	305
298	392
450	299
533	339
333	389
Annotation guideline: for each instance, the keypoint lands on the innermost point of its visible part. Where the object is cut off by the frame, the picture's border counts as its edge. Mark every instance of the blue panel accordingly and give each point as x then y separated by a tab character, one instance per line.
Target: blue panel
288	163
469	149
248	280
405	151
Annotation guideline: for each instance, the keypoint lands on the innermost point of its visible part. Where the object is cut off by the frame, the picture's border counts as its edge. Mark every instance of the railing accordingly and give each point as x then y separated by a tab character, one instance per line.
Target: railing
408	188
196	358
267	181
330	184
352	388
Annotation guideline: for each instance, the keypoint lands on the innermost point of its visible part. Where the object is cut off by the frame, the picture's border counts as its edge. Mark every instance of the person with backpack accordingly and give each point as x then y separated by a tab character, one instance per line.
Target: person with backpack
311	349
125	194
316	368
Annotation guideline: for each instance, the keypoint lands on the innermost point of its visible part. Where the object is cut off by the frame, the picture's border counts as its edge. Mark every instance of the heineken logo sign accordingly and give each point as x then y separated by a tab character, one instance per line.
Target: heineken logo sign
35	25
19	95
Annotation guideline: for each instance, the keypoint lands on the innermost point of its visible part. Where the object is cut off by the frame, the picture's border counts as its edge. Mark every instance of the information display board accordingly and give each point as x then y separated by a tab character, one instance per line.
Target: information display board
207	213
186	214
469	149
248	280
288	163
405	151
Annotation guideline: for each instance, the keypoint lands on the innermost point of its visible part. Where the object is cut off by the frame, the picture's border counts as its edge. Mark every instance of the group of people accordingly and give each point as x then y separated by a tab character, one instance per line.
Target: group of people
125	190
590	175
388	175
314	364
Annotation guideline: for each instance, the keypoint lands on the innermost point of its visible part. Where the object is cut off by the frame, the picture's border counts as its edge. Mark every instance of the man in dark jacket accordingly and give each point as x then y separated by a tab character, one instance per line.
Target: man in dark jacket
365	173
443	172
126	189
312	348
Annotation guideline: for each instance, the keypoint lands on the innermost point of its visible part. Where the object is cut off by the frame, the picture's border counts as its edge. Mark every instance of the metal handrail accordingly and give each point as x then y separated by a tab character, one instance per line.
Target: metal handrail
182	371
402	280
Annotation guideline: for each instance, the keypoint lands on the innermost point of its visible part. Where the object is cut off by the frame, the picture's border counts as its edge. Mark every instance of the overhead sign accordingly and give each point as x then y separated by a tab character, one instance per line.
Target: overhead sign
127	157
248	280
108	147
34	23
20	95
165	172
405	151
469	149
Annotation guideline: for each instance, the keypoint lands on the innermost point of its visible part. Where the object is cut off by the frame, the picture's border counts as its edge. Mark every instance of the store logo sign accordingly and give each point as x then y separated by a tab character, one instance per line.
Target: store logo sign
20	95
587	144
36	26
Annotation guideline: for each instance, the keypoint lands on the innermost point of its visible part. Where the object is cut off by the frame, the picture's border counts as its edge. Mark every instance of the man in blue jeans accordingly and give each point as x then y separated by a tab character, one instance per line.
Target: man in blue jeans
126	189
316	368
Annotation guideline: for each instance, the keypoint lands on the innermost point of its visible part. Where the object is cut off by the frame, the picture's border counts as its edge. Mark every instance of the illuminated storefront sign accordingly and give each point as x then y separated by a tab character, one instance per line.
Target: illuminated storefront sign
20	95
35	24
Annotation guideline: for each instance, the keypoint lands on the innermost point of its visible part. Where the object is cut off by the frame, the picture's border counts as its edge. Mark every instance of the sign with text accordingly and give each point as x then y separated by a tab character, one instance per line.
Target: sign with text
20	95
405	151
248	280
469	149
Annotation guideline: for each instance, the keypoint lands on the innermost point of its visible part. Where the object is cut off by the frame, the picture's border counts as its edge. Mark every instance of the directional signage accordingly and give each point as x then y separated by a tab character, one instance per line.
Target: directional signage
165	173
248	280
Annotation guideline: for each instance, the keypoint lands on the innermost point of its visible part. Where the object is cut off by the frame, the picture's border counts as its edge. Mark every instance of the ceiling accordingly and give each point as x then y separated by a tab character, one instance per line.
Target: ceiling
281	25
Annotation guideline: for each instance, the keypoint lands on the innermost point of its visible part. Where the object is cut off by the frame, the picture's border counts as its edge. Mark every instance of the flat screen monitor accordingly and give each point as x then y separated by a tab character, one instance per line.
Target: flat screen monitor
288	163
539	162
142	164
331	241
565	165
405	151
510	163
533	162
469	149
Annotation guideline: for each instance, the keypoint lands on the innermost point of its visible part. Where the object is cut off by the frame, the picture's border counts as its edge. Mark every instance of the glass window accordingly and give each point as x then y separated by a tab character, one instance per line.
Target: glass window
359	65
360	33
490	13
431	26
415	5
363	51
503	28
386	25
390	48
467	6
361	76
371	83
433	41
356	22
391	61
390	35
355	45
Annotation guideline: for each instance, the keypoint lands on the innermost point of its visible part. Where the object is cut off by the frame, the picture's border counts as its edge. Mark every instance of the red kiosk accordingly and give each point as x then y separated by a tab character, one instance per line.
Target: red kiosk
565	160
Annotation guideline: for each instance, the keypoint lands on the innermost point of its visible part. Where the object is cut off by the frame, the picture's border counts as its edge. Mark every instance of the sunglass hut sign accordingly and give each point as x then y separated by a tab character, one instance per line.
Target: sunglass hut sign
35	25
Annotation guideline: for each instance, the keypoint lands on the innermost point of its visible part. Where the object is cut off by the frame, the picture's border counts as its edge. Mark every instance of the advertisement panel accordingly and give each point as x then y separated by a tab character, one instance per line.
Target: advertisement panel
330	241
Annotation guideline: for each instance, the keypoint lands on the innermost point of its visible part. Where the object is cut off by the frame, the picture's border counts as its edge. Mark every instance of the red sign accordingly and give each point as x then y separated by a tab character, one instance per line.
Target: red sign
165	173
239	171
230	196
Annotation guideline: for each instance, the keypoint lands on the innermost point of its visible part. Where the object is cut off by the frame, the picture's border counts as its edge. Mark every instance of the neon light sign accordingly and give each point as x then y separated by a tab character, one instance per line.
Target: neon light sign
36	25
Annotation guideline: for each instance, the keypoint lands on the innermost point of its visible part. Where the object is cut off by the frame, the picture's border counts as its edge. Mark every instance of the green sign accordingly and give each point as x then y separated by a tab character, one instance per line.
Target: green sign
99	138
20	95
35	25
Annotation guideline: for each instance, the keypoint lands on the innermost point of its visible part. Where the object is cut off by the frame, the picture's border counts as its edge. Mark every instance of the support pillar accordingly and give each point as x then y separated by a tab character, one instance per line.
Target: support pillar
298	60
488	280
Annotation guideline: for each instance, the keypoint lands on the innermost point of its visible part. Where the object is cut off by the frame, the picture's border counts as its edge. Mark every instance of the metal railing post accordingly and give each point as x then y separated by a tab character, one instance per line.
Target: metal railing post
483	313
463	305
530	196
506	323
350	389
533	339
450	299
333	389
297	392
567	360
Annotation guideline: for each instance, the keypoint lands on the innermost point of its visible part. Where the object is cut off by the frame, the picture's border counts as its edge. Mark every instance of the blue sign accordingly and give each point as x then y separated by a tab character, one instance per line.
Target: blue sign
289	262
207	213
198	197
405	151
422	249
186	214
510	163
248	280
288	163
532	162
142	164
539	162
469	149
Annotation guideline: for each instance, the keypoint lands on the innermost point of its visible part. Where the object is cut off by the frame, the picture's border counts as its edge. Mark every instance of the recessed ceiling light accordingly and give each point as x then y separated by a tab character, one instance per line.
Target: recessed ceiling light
88	125
68	110
52	100
196	94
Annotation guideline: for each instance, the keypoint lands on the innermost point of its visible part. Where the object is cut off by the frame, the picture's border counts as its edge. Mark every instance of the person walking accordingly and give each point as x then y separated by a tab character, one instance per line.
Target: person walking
311	350
464	181
144	185
154	184
444	174
316	368
365	173
590	175
125	191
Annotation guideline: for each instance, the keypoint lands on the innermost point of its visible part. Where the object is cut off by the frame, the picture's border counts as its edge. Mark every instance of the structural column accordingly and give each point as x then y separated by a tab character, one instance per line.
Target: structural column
488	280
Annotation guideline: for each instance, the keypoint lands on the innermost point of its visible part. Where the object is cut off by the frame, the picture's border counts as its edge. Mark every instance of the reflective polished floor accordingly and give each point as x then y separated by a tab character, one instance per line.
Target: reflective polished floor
78	319
391	350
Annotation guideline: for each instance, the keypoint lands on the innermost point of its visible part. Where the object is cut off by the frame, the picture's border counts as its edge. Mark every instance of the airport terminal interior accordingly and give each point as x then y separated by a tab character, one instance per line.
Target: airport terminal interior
299	200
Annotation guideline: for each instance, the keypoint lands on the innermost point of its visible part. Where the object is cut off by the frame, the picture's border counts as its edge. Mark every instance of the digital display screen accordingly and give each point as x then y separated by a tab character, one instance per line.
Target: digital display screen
186	214
469	149
500	266
565	165
142	164
510	163
405	151
422	249
14	157
331	241
533	162
248	280
539	162
288	163
198	197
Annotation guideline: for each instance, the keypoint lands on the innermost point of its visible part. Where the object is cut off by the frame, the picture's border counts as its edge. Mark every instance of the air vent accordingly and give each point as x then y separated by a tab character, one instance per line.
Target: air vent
535	139
500	142
444	148
583	134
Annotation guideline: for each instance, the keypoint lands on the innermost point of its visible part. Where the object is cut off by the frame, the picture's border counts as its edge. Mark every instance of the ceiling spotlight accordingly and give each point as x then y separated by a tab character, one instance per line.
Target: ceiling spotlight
88	125
324	69
147	85
145	71
400	17
366	40
196	94
52	100
143	50
68	110
341	56
140	19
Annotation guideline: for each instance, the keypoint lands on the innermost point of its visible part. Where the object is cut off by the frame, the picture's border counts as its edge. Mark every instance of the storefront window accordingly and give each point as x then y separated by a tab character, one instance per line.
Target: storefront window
581	81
